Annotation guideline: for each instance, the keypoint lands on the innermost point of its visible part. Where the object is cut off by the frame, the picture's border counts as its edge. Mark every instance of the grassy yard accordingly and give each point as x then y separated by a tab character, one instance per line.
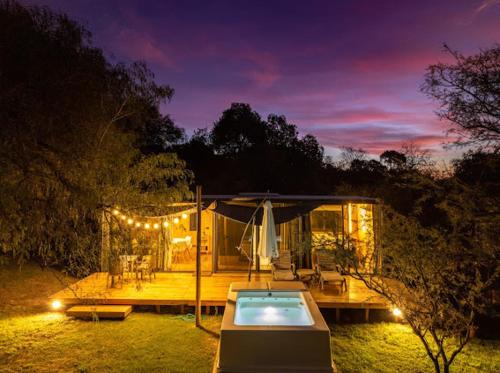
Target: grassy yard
34	340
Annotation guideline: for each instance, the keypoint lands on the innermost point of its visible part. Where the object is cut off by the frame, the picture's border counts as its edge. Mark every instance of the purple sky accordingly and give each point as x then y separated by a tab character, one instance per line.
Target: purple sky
346	71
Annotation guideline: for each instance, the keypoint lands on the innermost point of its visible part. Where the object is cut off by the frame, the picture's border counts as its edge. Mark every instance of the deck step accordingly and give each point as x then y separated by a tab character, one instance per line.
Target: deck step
101	311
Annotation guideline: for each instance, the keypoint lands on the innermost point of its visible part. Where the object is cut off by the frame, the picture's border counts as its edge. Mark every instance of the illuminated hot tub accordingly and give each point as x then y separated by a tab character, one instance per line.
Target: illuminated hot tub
273	327
283	308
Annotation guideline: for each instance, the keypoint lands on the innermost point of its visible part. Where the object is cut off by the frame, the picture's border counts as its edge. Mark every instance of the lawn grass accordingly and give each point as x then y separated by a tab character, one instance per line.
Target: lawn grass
392	347
36	341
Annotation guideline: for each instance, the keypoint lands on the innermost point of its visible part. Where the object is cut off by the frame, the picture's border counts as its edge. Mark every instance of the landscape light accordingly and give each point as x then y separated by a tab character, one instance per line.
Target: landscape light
56	304
116	212
123	217
130	221
156	225
138	225
397	312
184	216
165	224
147	226
176	220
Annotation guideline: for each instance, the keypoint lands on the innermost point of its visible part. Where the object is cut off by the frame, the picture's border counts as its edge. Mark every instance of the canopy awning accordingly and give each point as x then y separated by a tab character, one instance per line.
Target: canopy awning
243	213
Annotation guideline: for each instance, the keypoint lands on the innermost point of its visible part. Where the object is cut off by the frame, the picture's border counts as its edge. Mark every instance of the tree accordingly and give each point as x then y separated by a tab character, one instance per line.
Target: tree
238	129
243	152
469	94
436	271
72	125
438	286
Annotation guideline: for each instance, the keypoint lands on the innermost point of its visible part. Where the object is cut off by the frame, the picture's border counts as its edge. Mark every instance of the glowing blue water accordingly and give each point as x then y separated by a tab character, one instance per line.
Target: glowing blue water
276	308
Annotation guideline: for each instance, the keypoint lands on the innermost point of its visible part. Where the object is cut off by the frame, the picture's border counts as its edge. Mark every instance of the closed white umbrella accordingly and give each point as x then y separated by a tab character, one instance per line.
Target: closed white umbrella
268	246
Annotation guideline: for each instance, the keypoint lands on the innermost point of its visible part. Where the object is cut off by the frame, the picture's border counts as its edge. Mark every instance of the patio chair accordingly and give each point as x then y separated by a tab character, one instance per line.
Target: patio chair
282	267
328	270
146	267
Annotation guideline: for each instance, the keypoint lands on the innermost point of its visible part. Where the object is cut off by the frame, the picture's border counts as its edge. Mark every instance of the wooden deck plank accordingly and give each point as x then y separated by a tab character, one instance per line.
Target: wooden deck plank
176	288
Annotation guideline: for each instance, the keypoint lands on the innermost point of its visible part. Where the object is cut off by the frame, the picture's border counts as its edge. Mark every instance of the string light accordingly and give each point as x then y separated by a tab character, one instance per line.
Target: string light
163	222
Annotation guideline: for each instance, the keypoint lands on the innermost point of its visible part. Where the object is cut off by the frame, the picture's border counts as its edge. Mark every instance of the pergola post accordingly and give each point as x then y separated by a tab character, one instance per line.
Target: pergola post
198	256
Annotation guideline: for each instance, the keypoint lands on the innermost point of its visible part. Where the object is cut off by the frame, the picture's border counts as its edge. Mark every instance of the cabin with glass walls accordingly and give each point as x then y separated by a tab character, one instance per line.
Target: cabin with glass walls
230	231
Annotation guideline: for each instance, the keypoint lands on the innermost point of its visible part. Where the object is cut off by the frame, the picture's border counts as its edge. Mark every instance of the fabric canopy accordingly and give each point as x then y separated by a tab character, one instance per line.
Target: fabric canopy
268	245
281	215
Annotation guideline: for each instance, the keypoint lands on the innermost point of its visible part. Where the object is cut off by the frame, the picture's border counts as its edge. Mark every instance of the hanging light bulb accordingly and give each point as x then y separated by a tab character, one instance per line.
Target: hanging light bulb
147	226
165	224
184	216
138	225
130	221
176	220
156	226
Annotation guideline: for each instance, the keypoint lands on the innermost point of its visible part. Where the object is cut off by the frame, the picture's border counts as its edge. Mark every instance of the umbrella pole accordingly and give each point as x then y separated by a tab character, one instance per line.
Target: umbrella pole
250	262
198	256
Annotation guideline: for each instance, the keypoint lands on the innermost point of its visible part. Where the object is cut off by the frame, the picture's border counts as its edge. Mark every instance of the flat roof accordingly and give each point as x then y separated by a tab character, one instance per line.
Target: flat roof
289	197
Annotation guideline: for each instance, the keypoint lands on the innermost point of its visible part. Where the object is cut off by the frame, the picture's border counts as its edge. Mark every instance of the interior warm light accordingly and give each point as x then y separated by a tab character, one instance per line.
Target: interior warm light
130	221
397	312
147	226
176	220
156	226
138	225
349	216
184	216
165	224
363	214
56	304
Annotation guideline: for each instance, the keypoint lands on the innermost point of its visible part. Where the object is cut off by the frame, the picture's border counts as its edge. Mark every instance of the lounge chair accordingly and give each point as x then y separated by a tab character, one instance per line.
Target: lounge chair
328	270
282	267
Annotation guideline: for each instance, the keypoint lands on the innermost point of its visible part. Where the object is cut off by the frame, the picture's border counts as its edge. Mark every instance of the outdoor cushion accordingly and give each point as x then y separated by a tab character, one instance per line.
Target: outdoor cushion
283	275
332	276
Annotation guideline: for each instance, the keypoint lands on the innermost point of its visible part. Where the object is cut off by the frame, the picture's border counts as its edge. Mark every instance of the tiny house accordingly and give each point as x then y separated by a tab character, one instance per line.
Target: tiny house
230	231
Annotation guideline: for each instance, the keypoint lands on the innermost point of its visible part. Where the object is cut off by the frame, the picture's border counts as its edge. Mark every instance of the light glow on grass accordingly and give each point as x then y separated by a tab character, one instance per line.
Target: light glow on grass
56	304
397	312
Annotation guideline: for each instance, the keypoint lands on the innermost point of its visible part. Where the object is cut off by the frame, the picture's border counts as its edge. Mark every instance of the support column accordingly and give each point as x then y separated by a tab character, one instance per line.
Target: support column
198	256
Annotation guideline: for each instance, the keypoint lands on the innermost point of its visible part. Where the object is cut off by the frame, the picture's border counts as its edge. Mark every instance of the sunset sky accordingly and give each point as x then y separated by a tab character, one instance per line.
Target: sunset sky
346	71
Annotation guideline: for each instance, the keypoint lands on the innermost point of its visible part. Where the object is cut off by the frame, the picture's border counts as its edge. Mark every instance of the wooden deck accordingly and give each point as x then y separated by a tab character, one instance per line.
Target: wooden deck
179	289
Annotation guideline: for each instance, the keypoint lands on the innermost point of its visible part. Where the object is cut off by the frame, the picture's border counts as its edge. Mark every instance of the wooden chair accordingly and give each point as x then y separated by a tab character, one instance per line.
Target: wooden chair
282	267
328	270
146	267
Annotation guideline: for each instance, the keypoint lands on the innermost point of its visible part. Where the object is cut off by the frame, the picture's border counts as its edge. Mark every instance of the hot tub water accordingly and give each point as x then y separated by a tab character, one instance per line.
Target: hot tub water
273	309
